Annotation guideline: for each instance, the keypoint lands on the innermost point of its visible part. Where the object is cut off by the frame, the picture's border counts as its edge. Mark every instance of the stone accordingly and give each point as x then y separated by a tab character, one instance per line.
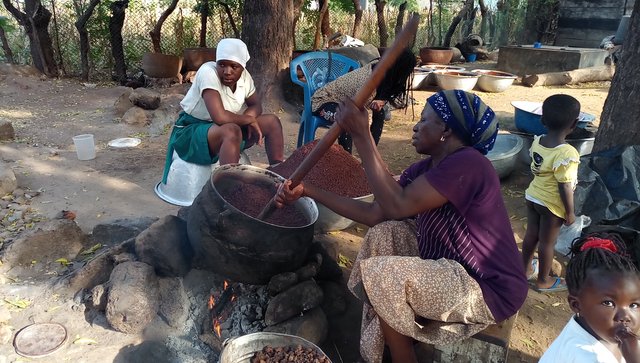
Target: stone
297	299
133	299
99	297
145	98
174	302
312	326
166	115
334	302
307	271
281	282
8	182
149	351
329	269
6	130
60	238
183	213
136	116
165	246
123	103
119	230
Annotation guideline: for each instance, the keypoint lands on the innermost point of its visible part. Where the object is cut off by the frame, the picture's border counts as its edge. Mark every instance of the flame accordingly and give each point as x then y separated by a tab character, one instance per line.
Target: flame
216	327
233	298
226	284
211	303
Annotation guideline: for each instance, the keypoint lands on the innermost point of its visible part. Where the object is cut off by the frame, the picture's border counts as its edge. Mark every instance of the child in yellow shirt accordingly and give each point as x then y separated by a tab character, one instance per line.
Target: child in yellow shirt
549	198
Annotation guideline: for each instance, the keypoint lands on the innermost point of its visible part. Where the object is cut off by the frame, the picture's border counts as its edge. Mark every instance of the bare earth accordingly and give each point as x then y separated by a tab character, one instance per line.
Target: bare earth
119	183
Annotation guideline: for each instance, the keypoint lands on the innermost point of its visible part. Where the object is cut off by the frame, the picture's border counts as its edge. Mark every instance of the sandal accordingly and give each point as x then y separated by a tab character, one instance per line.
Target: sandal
558	285
536	269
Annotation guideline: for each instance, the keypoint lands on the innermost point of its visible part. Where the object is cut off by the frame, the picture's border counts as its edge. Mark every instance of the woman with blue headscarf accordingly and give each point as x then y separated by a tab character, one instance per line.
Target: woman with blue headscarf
439	262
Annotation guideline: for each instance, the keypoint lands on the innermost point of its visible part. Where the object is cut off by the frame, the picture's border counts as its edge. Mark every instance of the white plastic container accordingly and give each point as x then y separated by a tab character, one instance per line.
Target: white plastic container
85	146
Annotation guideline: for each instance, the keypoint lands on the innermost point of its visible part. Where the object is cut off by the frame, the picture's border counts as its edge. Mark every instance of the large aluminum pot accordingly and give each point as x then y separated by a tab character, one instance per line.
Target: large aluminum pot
237	246
241	349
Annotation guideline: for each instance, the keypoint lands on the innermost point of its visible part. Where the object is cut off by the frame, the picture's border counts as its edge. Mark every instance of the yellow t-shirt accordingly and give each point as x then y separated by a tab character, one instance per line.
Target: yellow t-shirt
551	166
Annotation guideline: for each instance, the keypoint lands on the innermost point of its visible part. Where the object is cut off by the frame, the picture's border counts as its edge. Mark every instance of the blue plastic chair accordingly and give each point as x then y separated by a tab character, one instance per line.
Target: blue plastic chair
318	68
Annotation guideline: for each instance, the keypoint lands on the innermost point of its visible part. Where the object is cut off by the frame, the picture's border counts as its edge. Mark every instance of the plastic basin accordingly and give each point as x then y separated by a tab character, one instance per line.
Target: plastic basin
504	154
528	117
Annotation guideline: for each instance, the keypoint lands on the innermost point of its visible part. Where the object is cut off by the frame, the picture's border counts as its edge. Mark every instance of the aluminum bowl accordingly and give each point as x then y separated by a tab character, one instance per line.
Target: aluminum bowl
185	180
241	349
329	220
504	154
449	80
494	81
584	146
419	77
431	78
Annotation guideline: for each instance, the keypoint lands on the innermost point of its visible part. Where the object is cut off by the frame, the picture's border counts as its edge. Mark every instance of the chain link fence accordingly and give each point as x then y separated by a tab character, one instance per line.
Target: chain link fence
181	30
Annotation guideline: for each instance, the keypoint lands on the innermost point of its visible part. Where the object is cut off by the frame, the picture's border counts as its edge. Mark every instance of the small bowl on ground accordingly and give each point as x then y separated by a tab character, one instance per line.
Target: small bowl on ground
494	81
449	80
504	154
329	221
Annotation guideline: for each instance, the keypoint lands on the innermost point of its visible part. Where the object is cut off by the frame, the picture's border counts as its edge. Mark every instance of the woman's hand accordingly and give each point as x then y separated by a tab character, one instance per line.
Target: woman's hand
352	119
377	105
286	195
254	134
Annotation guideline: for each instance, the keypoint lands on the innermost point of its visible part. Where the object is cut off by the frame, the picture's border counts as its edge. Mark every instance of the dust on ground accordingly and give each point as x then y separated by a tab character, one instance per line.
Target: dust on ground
119	183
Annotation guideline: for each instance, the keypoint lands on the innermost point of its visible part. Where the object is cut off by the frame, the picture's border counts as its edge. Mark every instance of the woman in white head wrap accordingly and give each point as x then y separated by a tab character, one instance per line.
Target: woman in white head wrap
222	113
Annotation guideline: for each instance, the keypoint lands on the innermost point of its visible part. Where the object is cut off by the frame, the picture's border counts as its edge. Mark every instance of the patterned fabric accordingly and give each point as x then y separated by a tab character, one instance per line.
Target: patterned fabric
397	286
469	117
344	86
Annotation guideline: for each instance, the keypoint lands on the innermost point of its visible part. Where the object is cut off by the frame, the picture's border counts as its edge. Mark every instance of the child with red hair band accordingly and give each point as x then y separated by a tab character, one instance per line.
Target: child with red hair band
604	294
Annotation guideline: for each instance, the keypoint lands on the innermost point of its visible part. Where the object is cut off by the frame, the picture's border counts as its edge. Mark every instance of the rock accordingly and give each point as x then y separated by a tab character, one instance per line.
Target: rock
334	302
329	269
145	98
166	114
136	116
60	238
133	299
307	271
174	302
165	246
312	326
99	297
301	297
123	103
281	282
149	351
6	130
8	182
119	230
183	213
124	257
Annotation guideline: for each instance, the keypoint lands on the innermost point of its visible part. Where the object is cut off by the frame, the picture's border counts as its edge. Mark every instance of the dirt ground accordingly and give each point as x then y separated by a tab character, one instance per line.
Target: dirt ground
119	183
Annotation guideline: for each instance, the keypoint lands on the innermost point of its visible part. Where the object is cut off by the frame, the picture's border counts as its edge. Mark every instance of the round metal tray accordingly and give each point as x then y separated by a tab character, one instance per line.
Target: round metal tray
39	340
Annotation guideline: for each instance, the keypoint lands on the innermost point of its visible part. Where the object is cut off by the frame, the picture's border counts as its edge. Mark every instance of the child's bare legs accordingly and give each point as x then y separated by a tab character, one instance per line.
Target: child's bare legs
547	235
530	241
224	141
401	346
273	138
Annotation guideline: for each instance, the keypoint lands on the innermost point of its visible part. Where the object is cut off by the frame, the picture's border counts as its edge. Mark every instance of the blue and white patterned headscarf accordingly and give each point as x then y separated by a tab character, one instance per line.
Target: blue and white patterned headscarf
469	118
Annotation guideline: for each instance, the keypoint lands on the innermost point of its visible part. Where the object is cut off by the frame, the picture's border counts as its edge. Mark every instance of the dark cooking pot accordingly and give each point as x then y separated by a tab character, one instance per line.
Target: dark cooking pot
237	246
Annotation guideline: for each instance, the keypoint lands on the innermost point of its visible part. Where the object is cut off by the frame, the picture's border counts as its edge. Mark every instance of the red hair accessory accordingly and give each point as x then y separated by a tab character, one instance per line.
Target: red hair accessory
594	242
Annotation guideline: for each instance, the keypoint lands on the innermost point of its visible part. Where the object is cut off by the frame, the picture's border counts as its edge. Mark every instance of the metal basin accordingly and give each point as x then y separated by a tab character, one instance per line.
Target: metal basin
233	244
241	349
494	81
419	77
329	220
449	80
504	154
584	146
430	67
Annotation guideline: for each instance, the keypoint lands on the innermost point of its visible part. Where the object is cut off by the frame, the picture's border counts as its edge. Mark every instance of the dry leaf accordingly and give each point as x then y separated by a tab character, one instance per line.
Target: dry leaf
86	341
63	261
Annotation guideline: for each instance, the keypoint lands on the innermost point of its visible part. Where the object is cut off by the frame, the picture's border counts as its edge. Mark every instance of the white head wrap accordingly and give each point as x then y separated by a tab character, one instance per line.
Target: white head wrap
234	50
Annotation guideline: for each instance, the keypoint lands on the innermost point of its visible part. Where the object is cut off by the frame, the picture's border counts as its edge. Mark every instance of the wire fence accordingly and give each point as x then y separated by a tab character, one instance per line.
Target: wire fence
181	30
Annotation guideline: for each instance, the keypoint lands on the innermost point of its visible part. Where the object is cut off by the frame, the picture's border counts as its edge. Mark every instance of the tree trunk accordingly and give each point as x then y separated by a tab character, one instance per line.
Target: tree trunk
591	74
326	22
81	26
204	16
5	46
357	21
467	7
402	9
116	22
383	33
270	44
155	32
323	12
35	20
227	10
483	20
619	122
297	11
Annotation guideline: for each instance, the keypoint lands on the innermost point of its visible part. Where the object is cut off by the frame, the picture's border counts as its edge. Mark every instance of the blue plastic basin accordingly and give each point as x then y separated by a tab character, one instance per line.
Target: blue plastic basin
528	117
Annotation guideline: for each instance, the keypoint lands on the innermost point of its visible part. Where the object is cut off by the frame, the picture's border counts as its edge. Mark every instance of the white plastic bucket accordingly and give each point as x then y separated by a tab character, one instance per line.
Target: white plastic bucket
85	147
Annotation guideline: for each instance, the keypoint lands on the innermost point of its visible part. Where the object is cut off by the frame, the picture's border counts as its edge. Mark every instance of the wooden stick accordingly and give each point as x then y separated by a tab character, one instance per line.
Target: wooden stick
381	68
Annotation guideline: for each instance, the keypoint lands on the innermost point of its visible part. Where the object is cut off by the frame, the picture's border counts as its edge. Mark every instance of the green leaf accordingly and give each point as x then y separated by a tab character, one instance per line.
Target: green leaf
18	303
91	250
63	261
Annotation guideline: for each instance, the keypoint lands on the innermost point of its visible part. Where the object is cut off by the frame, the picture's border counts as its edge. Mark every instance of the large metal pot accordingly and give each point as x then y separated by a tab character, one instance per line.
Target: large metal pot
235	245
242	349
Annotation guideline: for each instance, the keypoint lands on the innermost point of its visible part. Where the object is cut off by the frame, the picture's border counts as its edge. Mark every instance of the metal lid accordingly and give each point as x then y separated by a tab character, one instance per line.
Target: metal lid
40	339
